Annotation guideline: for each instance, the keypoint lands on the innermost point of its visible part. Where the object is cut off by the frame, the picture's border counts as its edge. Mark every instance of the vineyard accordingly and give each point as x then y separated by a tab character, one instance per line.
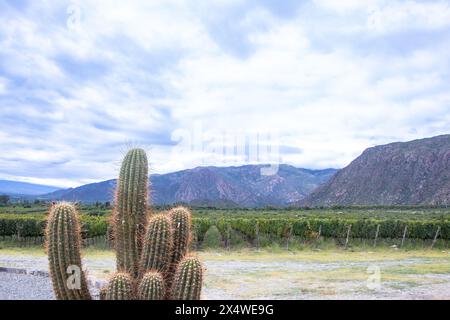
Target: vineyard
254	225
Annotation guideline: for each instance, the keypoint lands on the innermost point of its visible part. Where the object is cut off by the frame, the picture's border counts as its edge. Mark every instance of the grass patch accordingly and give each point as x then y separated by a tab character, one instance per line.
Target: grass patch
331	255
32	251
422	268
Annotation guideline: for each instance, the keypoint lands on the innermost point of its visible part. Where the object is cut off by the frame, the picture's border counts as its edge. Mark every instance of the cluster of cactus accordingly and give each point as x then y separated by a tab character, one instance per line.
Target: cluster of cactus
153	262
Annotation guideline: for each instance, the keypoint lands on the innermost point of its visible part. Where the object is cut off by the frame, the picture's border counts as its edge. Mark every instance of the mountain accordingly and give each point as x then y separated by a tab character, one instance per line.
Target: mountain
89	193
242	186
415	172
14	188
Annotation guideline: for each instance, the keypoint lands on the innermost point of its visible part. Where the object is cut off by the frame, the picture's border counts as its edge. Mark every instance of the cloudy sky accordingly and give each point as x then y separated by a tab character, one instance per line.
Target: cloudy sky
319	81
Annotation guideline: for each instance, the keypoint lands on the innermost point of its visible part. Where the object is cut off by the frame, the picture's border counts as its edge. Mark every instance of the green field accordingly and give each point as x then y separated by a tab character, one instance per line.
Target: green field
295	228
378	212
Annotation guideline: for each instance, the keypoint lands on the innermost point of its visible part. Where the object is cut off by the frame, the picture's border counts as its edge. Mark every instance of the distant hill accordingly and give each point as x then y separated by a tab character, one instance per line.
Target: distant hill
242	186
415	172
14	188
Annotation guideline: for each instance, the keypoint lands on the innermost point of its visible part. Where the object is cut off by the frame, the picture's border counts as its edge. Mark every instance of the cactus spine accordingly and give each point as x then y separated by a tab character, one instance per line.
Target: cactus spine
63	248
188	280
130	210
120	287
157	244
152	286
151	253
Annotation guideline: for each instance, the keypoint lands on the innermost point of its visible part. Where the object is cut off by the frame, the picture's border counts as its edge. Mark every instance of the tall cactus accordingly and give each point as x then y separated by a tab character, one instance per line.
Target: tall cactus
63	248
152	254
131	210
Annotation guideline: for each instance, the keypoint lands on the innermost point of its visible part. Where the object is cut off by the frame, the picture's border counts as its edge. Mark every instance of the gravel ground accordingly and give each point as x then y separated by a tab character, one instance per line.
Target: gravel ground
29	287
242	279
24	287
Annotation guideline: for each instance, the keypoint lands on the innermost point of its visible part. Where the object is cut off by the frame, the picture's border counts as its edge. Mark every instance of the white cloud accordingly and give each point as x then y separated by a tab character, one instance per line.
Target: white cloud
346	6
400	15
388	16
72	99
3	86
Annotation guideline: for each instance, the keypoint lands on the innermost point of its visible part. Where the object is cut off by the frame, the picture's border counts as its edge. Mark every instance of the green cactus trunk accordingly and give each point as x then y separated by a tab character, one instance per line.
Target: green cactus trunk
181	225
152	286
157	244
131	210
120	287
63	248
188	279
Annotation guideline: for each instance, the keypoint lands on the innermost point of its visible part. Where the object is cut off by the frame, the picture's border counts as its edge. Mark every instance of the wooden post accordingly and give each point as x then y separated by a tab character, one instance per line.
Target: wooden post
376	236
320	230
194	238
225	238
435	237
348	235
289	236
228	237
257	235
404	236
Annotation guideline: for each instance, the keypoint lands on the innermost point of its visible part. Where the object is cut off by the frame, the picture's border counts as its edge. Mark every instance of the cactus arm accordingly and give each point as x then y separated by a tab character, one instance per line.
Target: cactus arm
120	287
188	280
157	244
181	223
152	286
63	248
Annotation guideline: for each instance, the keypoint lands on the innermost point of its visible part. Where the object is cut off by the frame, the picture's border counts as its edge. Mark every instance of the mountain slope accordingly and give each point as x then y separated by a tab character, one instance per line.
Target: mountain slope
23	188
221	186
415	172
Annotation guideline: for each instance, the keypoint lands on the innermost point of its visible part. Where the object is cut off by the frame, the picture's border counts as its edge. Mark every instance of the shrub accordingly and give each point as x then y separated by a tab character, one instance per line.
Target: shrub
213	238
